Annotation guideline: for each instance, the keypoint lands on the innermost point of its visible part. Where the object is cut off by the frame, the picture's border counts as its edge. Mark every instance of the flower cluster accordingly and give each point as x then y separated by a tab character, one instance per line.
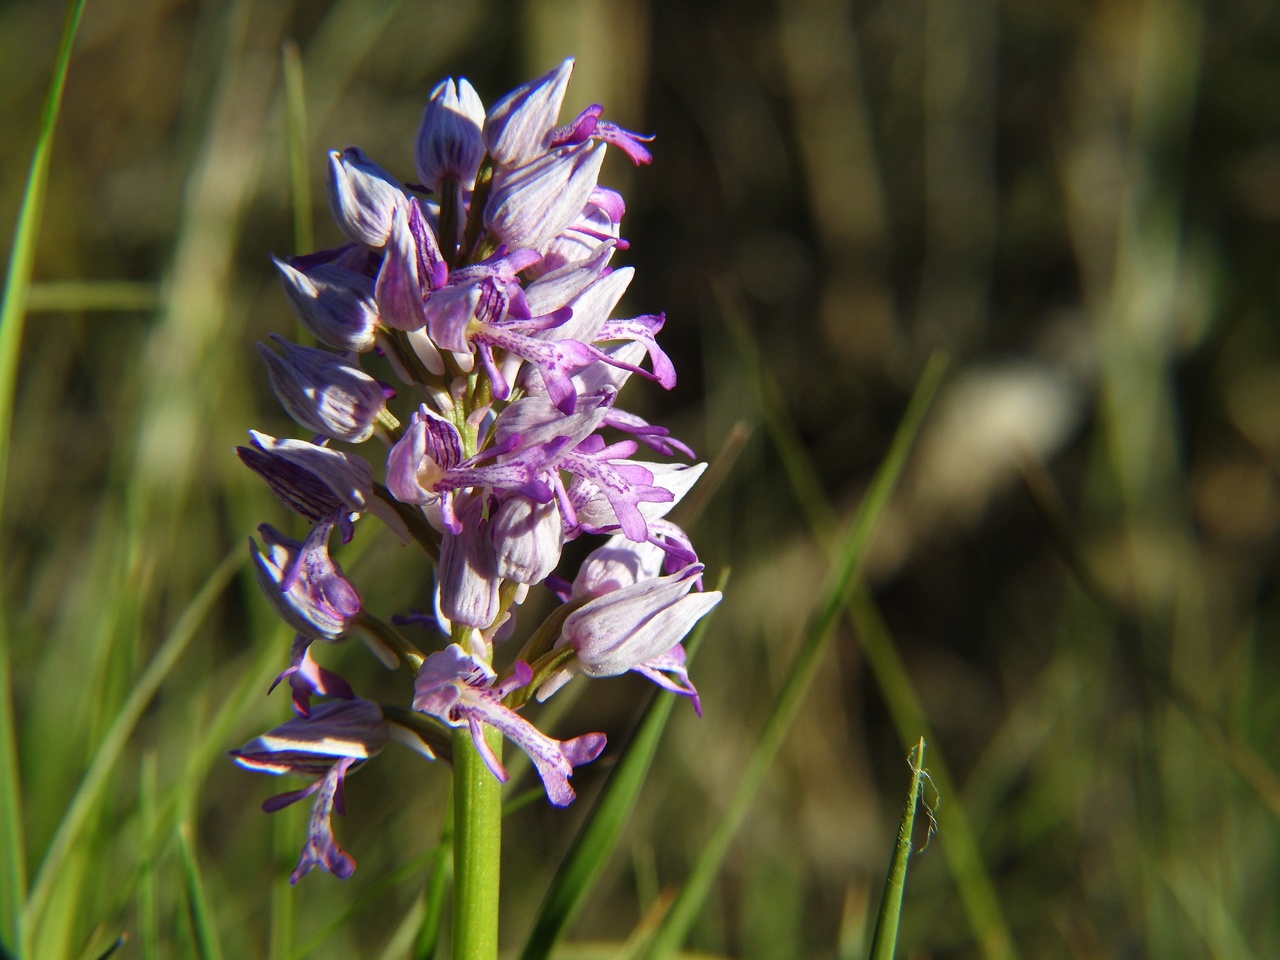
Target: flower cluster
485	288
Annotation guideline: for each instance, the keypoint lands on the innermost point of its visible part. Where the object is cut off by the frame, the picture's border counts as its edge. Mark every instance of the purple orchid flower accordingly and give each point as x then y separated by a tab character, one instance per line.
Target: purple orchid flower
337	737
308	679
306	588
459	689
336	304
635	619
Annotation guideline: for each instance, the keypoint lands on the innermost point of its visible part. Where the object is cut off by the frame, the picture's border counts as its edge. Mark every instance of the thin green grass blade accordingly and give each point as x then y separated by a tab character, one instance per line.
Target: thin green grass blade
208	947
885	939
13	872
439	879
295	114
688	902
96	296
374	894
974	885
23	253
595	842
960	845
113	744
148	902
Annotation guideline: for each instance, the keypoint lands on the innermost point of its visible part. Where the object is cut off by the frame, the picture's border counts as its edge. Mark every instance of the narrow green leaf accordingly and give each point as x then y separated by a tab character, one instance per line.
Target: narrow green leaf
885	939
13	873
974	885
295	112
22	254
148	902
105	296
202	921
959	845
112	746
439	879
684	911
595	842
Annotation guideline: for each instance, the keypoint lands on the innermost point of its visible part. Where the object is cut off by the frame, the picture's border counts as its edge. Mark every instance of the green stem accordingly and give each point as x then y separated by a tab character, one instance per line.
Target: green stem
477	848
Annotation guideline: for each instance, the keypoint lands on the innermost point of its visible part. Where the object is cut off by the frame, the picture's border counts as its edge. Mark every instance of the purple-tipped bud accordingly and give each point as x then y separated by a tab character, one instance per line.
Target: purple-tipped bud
306	588
362	196
335	304
449	142
520	125
322	392
531	205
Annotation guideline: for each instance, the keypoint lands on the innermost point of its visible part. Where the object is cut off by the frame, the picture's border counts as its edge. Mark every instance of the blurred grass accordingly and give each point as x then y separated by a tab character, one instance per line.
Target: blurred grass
1076	201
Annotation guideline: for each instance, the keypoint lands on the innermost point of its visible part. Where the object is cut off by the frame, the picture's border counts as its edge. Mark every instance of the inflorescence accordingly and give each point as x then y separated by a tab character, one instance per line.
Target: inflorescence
487	290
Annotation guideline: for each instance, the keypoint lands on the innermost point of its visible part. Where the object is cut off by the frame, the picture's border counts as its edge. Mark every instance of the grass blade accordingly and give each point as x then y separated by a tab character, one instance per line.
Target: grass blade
295	114
13	873
885	939
202	922
689	901
439	879
113	744
23	253
974	886
596	840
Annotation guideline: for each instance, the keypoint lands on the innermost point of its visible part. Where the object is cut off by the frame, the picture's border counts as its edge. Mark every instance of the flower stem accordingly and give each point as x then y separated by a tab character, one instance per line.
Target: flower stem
477	847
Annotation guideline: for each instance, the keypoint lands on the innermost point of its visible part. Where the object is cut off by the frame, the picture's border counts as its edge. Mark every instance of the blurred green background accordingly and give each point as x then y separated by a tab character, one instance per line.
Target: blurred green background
1077	200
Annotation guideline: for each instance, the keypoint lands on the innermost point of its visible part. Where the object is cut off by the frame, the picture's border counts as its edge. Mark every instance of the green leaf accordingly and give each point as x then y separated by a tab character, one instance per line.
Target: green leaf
688	903
202	922
113	744
594	843
13	873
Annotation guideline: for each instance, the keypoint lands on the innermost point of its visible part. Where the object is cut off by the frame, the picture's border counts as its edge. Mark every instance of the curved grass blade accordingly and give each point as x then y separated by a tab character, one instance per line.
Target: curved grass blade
13	873
113	744
23	253
595	841
202	922
973	883
885	939
688	902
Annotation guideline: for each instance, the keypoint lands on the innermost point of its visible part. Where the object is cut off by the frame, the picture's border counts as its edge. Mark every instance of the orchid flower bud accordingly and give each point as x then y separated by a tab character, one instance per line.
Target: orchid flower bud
362	196
335	304
324	393
449	143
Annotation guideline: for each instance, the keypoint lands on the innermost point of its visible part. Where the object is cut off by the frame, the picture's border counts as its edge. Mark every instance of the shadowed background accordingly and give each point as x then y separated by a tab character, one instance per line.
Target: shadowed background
1077	201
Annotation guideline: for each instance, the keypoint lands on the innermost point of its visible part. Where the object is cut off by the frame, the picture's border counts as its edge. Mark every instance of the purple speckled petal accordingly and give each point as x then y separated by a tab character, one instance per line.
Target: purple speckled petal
321	848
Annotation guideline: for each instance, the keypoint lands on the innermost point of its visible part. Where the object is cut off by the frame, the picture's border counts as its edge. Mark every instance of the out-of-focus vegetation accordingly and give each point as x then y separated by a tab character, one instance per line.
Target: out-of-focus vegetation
1073	590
